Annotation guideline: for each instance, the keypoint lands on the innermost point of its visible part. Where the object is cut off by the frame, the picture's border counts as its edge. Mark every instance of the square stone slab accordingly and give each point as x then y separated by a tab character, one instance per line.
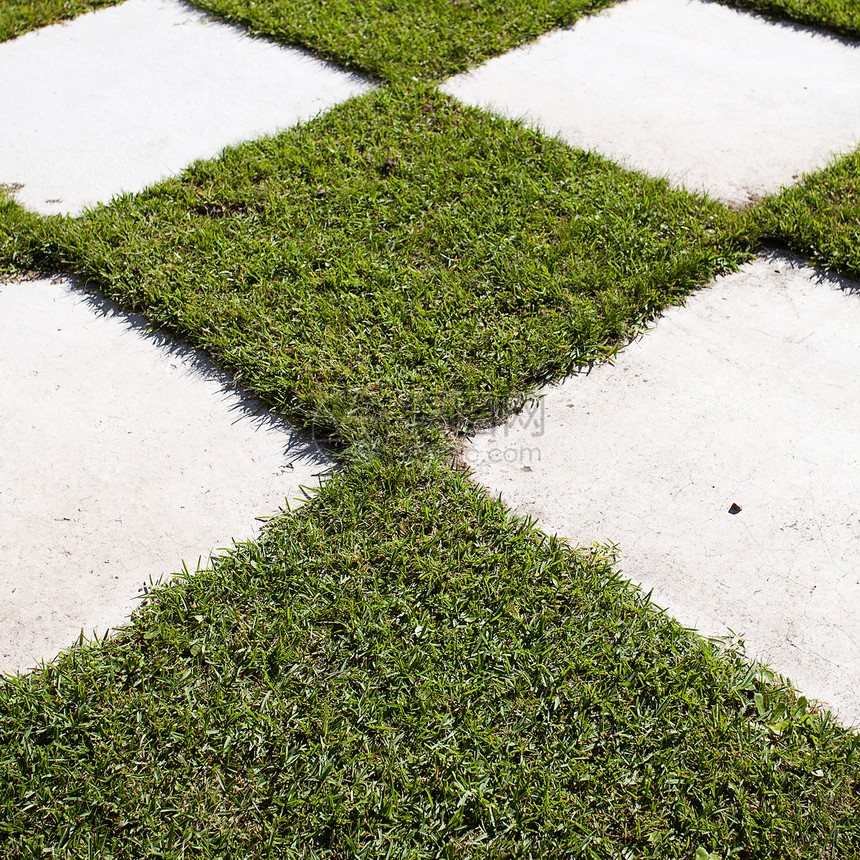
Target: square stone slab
121	455
123	97
746	396
712	98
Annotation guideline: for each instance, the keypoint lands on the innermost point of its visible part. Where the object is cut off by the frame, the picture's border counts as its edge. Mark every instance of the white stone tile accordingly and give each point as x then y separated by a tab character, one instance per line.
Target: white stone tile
120	98
710	97
121	455
746	395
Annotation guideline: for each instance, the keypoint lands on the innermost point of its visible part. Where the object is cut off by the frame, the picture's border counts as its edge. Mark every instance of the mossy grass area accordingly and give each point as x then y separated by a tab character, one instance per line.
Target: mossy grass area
401	669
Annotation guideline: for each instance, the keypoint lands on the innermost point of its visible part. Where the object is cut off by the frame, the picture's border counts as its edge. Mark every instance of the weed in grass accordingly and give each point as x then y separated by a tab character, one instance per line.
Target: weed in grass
400	669
400	250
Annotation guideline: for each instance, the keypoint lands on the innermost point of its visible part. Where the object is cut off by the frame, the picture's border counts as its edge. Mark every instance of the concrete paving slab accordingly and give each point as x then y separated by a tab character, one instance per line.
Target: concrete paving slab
123	97
121	455
712	98
746	396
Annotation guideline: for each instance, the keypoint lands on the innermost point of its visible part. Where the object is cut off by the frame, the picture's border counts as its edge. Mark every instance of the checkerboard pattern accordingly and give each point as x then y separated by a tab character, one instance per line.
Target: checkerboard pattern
715	100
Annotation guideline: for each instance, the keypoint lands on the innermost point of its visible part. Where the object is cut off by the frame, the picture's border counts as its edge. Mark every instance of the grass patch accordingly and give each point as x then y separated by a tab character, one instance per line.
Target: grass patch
20	246
403	39
399	669
401	258
819	217
19	16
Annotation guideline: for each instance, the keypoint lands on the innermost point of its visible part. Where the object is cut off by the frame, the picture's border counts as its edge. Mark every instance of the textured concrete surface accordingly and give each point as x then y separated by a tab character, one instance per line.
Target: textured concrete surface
121	455
710	97
123	97
746	395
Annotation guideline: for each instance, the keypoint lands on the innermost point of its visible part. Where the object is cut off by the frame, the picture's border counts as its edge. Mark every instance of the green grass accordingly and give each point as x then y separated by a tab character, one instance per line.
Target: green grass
20	16
819	217
402	39
401	257
400	669
19	247
840	16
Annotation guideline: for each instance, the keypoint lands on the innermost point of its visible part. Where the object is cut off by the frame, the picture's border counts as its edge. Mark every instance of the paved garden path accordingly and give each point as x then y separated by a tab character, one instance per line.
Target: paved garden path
743	397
